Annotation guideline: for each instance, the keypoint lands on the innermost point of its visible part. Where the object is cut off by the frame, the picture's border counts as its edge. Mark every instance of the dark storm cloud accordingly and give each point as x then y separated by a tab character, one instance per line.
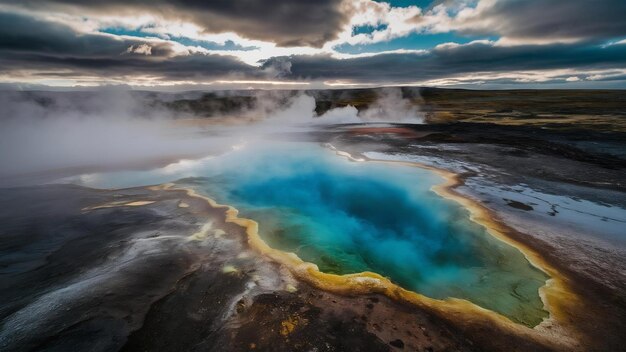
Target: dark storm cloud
24	34
29	43
285	22
191	67
449	61
541	19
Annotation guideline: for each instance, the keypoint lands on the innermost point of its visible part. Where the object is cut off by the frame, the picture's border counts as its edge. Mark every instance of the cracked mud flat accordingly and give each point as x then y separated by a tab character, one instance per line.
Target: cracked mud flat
153	269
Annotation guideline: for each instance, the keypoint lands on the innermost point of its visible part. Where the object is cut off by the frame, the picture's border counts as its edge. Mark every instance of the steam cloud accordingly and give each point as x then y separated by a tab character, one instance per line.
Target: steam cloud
51	131
43	131
389	107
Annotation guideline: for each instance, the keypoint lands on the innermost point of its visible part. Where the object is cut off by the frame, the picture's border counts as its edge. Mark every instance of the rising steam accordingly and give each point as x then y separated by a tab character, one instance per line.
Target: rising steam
42	131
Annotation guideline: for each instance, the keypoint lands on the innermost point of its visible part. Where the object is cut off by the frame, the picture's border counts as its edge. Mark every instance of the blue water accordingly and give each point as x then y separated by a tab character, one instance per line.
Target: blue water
349	217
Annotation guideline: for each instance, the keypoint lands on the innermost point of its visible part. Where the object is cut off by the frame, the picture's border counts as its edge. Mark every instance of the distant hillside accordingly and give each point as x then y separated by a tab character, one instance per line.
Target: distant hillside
594	109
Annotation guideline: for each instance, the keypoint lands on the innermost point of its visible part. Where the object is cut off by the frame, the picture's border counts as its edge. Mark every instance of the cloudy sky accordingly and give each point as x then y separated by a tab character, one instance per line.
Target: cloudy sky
186	44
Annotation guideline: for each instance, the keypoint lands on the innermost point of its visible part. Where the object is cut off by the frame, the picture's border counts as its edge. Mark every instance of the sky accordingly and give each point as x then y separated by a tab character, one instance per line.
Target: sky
311	44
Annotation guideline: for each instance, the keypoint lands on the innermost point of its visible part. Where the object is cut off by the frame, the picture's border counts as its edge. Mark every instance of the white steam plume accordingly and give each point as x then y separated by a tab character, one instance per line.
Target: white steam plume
42	131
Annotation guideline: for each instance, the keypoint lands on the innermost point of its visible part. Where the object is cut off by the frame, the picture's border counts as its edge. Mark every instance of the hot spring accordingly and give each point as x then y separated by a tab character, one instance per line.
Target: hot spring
350	217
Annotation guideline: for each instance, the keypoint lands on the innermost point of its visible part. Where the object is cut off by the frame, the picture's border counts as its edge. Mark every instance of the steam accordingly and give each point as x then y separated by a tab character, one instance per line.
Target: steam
392	107
43	131
48	131
389	107
299	111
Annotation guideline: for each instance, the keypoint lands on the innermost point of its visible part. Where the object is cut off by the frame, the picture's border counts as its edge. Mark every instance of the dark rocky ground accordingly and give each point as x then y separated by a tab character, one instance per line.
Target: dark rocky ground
123	277
129	278
579	156
126	277
564	168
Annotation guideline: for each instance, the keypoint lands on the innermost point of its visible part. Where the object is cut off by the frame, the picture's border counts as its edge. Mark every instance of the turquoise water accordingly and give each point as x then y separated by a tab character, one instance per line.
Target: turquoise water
349	217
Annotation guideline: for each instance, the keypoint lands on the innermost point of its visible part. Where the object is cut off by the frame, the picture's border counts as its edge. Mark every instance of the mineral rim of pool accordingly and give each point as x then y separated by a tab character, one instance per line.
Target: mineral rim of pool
350	217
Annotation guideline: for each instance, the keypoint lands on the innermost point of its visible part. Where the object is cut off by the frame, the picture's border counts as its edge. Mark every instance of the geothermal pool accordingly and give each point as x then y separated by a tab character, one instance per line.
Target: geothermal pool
349	217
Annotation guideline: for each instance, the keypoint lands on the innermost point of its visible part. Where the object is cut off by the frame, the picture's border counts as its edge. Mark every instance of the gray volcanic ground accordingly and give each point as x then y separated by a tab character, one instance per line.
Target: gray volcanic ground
150	268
